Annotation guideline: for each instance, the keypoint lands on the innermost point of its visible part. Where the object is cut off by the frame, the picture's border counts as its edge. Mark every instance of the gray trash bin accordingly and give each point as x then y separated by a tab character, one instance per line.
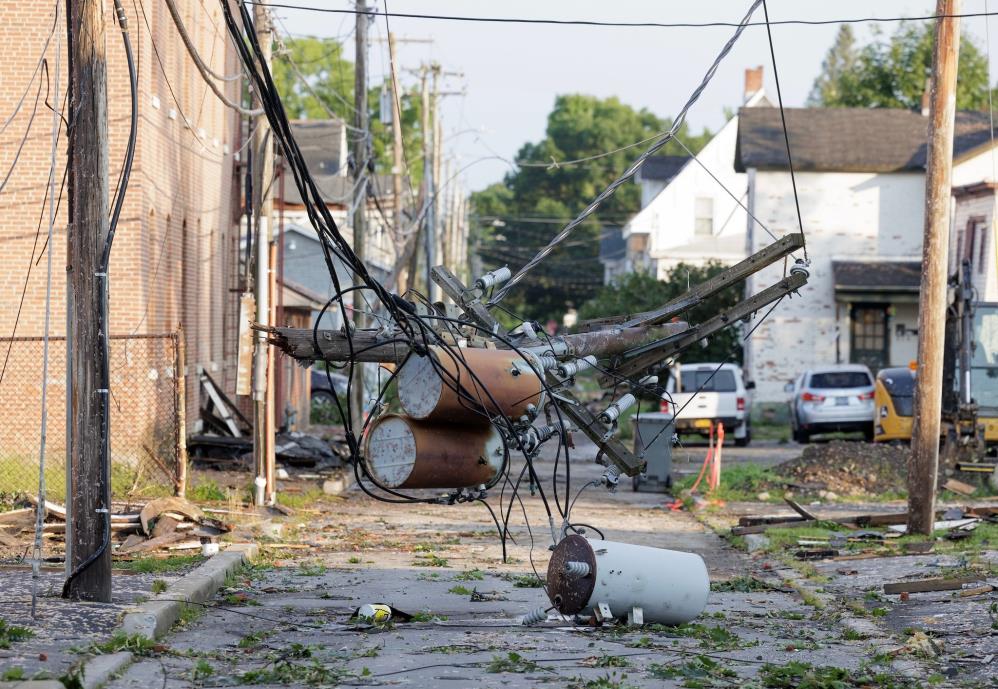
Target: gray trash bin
653	437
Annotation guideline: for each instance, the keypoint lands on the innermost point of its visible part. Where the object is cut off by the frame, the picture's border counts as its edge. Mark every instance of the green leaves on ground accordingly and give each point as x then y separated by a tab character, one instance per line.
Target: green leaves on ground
11	633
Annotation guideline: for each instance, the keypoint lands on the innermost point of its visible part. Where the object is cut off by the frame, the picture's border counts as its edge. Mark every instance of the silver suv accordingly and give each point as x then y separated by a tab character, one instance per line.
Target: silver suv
830	399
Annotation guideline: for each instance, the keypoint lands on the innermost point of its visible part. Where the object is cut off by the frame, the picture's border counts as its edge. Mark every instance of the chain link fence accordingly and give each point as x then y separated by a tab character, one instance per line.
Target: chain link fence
146	408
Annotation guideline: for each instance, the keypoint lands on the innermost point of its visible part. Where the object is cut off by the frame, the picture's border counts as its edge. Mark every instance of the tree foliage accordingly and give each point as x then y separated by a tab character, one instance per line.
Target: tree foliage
891	72
636	292
316	82
518	216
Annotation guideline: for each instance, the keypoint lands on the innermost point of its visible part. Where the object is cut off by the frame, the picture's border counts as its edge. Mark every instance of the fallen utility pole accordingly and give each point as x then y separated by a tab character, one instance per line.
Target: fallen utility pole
924	468
263	168
90	480
361	148
629	351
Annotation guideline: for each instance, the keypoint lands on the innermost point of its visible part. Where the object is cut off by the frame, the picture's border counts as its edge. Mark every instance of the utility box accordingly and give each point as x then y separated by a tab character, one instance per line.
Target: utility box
653	438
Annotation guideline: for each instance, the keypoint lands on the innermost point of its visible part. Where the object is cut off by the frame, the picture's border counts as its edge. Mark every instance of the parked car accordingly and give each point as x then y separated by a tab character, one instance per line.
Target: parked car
322	392
832	399
699	394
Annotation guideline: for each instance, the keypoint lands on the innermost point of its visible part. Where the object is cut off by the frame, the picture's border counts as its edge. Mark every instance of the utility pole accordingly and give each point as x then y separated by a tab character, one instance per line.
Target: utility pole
360	156
397	152
90	487
924	468
428	181
263	168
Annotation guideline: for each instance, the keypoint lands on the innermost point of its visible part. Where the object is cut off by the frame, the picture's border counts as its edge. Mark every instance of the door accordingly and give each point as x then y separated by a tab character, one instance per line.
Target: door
869	344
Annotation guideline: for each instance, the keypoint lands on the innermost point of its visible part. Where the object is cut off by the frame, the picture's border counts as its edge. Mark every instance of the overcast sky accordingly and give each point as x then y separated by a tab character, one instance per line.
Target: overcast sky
512	72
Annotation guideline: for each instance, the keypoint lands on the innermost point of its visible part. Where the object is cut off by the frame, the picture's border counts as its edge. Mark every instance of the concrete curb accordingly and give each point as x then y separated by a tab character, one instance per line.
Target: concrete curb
154	618
96	671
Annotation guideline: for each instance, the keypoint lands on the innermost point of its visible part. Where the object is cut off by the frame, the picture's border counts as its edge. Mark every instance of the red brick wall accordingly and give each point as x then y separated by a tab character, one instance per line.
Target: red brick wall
173	259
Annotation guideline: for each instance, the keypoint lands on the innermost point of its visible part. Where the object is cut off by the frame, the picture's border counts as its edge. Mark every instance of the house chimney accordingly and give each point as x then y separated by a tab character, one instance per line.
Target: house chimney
753	82
926	96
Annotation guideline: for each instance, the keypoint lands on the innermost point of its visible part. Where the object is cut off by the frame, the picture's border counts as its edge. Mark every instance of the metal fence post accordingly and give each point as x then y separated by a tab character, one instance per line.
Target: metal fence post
180	409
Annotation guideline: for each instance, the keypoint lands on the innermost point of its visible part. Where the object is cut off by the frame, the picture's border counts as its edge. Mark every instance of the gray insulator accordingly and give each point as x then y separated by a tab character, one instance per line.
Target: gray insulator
573	367
577	569
801	266
534	616
496	277
547	362
613	412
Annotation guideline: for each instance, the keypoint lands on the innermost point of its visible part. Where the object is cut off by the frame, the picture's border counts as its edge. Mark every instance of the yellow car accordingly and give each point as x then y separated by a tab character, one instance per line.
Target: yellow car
894	403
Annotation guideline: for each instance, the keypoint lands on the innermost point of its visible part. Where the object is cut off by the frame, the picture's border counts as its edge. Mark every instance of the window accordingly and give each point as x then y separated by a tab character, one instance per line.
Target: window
981	231
704	216
701	381
840	379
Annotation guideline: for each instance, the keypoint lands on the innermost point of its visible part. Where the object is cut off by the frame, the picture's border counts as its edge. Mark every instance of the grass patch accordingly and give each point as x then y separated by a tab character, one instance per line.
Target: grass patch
740	584
459	590
524	581
470	575
154	565
12	633
297	501
135	643
512	662
207	490
13	674
701	672
158	586
742	483
798	675
429	560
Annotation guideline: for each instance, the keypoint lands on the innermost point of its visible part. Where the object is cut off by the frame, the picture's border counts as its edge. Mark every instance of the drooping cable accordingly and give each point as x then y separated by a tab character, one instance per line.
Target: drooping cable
786	134
204	70
36	554
635	166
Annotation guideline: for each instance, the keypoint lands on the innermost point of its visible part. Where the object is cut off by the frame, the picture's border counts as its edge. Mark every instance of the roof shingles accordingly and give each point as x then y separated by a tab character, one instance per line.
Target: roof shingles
846	139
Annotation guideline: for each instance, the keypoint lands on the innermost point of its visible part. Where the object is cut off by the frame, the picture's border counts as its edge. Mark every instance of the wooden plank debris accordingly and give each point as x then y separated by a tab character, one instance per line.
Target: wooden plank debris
960	487
929	585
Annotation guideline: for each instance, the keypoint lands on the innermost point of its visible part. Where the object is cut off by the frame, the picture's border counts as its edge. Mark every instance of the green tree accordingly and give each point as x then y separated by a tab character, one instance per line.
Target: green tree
315	82
637	292
836	70
518	216
892	72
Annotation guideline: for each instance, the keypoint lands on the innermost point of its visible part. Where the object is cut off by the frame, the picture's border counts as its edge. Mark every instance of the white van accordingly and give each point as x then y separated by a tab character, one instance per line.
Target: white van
698	394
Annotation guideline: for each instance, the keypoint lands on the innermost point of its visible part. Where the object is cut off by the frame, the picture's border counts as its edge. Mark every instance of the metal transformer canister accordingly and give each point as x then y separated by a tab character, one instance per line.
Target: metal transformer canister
496	381
407	453
670	587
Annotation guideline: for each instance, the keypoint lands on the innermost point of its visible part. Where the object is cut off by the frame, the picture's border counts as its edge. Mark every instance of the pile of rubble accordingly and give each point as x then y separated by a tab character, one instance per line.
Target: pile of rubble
849	468
169	524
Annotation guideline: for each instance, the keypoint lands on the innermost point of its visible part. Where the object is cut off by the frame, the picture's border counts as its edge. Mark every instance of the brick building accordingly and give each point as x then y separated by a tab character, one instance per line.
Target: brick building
175	255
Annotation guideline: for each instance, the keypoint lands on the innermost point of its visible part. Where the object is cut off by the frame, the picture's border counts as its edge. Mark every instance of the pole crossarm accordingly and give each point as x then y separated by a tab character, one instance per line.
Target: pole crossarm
639	359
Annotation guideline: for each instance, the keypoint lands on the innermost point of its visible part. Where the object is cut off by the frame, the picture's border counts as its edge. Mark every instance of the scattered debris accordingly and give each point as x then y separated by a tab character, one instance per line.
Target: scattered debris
960	487
929	585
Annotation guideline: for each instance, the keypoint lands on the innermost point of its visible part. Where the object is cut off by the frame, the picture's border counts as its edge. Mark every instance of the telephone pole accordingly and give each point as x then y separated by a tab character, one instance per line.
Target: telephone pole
263	169
397	152
90	480
361	149
924	468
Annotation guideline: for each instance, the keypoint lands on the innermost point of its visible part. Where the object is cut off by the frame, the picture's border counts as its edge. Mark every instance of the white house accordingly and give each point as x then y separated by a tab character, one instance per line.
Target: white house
860	177
688	216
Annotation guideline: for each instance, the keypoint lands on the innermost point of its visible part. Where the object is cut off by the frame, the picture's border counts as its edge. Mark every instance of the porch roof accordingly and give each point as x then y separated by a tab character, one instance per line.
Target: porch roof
876	280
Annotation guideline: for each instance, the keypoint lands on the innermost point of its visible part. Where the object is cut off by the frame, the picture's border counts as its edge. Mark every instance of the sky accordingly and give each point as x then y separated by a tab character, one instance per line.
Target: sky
512	72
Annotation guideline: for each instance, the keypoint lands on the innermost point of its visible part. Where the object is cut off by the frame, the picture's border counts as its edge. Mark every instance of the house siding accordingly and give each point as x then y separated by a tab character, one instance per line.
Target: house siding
856	216
174	258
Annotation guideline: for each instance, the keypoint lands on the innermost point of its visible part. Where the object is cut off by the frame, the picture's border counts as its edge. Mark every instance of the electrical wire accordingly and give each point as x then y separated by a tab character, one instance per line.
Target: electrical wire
635	166
623	24
36	555
204	70
786	134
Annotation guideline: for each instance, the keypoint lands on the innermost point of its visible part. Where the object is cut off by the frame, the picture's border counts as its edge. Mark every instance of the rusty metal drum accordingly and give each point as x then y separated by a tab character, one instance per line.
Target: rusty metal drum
401	452
497	381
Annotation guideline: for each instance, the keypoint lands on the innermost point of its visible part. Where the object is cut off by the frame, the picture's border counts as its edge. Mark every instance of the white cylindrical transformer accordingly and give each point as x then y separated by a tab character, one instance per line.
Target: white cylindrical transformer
669	586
